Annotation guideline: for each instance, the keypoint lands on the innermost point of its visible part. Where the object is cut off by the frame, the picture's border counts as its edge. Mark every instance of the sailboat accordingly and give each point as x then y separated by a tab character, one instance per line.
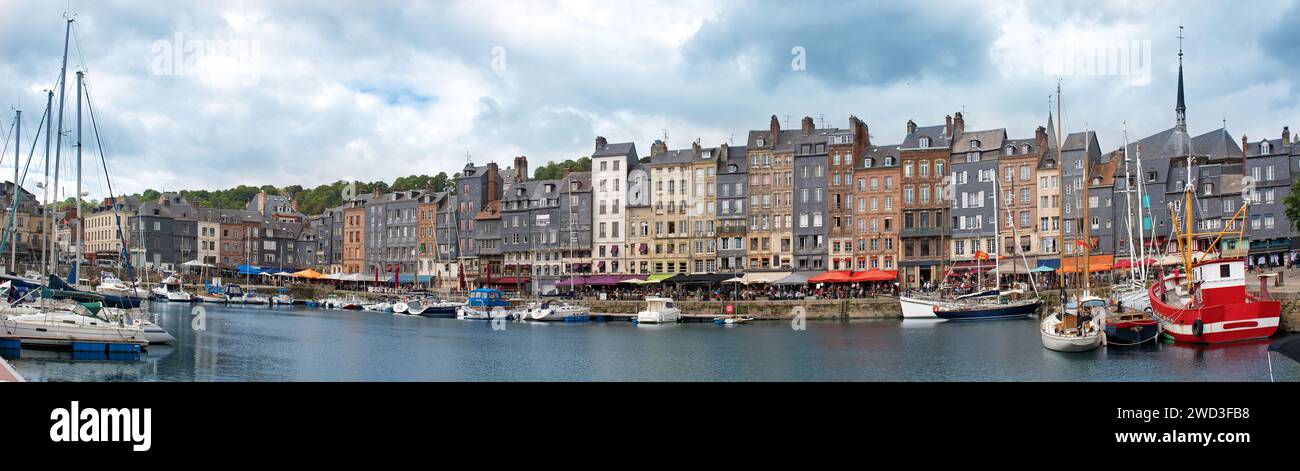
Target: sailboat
1131	323
989	304
35	319
1076	325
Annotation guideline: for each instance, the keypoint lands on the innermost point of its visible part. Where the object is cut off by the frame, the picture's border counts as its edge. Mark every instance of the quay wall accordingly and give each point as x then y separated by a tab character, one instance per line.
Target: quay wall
873	308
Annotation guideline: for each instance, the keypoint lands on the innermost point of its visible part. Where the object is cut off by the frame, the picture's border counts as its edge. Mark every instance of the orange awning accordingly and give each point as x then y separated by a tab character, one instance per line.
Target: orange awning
309	274
1096	263
831	277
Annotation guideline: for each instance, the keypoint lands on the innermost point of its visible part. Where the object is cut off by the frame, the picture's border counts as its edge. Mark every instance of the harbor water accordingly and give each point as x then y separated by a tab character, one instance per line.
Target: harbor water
238	343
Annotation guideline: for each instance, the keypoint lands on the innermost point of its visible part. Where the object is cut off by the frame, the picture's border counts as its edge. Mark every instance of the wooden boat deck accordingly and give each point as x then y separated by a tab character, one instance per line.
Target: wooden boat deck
8	374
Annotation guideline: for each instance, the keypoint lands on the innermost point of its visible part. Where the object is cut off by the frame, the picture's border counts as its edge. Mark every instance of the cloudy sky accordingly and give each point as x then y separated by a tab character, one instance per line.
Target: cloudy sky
216	94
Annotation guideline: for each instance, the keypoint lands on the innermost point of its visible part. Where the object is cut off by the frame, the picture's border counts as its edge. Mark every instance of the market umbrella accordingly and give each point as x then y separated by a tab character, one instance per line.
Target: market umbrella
309	274
1288	347
831	277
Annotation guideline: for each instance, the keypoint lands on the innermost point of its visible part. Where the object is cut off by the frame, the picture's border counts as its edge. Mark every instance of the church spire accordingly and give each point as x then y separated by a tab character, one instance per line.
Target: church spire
1180	110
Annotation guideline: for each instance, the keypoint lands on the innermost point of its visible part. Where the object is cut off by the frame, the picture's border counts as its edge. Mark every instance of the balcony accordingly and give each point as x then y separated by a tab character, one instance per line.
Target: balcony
732	230
921	232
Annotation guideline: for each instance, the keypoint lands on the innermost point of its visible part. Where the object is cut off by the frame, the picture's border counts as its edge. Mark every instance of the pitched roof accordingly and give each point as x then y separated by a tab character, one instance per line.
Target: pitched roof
938	138
615	149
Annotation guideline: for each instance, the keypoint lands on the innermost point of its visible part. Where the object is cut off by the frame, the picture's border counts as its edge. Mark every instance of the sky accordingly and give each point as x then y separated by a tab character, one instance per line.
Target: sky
213	94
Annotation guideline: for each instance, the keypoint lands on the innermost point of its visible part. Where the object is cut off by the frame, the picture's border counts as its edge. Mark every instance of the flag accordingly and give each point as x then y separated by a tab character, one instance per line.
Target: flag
1082	244
981	255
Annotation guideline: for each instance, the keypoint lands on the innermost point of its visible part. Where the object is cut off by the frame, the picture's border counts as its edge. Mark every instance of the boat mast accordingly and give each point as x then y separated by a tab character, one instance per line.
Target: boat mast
1087	202
45	193
1128	205
1060	165
18	141
997	272
58	148
77	201
1142	204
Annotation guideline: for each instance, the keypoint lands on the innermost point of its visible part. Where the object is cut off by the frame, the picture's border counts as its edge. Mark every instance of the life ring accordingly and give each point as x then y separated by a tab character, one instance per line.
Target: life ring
1198	328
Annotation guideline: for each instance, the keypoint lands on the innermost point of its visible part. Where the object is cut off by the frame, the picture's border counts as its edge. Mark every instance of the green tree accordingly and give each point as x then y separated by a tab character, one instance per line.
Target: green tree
1292	202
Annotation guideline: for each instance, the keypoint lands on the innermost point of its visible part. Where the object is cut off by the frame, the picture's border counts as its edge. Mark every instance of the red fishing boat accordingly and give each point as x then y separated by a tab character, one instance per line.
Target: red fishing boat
1214	307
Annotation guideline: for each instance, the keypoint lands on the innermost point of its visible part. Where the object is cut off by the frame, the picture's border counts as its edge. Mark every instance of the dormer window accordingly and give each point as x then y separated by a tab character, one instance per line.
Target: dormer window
1009	151
1265	148
924	142
1024	148
974	144
889	161
760	142
868	162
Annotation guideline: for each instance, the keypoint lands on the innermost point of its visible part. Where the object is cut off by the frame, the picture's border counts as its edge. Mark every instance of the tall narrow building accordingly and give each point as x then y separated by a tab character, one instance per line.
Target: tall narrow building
924	211
609	166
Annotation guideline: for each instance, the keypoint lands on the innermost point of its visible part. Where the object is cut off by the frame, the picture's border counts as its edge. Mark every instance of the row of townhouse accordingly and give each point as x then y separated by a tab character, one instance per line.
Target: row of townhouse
807	199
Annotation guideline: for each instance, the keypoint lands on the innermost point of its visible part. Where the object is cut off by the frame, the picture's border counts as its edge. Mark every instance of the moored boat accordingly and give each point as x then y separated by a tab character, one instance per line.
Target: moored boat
1216	309
1075	328
659	311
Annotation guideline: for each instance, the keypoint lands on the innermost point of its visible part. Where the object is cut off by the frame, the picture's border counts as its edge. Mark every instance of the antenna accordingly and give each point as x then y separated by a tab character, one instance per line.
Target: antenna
469	158
665	130
821	118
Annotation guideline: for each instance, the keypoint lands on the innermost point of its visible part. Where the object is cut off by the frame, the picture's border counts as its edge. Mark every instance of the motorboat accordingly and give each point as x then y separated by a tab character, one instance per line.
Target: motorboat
170	290
659	311
552	312
732	320
439	308
110	285
251	297
379	307
468	312
283	298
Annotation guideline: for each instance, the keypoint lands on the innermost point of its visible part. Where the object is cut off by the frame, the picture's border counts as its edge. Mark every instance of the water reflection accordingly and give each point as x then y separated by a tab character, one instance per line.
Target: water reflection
298	344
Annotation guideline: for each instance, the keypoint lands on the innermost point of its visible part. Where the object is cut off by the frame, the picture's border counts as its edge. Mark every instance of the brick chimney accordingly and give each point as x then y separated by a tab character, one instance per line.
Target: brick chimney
1286	137
600	142
659	147
911	127
521	168
776	130
959	124
947	126
1040	137
808	126
695	149
1243	150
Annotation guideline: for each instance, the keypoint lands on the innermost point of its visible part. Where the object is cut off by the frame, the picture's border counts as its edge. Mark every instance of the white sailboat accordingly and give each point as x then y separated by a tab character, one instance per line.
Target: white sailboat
1076	325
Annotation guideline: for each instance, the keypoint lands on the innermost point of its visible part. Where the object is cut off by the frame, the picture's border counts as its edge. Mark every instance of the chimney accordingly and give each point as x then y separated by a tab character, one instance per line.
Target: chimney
695	149
659	147
947	126
776	130
600	142
911	127
1040	137
1286	137
808	126
959	125
1243	151
723	152
521	166
293	203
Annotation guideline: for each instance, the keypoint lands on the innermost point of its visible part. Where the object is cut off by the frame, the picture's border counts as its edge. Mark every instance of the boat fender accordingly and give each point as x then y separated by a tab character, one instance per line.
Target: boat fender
1198	328
1103	339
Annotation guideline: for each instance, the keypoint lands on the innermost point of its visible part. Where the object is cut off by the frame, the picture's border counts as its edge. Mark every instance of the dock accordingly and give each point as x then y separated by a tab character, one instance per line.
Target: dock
624	317
8	374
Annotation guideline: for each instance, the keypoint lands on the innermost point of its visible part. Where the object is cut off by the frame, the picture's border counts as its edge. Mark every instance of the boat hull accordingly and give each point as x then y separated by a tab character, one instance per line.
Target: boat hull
988	312
916	308
1132	332
1070	344
1221	323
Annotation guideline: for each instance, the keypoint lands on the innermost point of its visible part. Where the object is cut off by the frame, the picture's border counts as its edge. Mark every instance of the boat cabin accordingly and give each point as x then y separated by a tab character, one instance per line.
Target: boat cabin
1221	281
659	304
486	298
234	291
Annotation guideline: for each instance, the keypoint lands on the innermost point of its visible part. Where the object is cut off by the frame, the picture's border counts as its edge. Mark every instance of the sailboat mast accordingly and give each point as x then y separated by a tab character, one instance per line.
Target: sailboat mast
1087	203
1128	205
45	194
997	272
18	141
1142	219
1187	219
58	147
1060	165
77	199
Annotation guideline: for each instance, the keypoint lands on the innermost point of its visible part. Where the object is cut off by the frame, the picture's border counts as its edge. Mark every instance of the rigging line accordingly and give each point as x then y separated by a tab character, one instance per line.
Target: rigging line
99	145
5	148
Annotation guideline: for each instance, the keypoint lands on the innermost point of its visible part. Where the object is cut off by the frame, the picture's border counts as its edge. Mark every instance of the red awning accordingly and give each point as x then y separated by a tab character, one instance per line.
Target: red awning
1124	263
874	275
831	277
